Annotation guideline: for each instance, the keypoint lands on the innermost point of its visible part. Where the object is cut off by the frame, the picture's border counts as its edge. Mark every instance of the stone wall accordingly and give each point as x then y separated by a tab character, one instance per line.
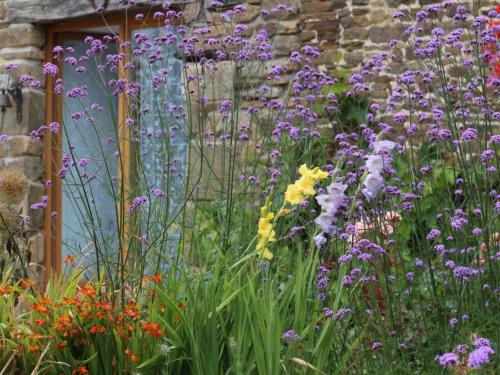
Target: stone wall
346	31
22	44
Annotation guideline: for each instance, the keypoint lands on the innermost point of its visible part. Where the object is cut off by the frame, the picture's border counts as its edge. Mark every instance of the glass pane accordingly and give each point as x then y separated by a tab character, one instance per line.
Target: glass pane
163	142
89	222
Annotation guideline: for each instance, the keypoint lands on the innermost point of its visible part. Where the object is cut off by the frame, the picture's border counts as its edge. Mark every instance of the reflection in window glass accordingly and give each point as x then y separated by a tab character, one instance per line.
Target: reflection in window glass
88	208
163	142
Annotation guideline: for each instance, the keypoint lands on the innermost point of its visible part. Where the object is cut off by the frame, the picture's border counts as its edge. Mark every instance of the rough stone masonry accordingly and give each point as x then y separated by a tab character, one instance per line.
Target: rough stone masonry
346	32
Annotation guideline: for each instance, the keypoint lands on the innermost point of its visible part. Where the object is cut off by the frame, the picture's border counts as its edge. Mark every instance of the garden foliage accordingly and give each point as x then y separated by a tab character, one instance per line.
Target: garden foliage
290	242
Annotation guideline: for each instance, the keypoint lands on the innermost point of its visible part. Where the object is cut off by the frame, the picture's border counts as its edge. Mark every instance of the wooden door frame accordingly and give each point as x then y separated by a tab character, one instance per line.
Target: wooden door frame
52	143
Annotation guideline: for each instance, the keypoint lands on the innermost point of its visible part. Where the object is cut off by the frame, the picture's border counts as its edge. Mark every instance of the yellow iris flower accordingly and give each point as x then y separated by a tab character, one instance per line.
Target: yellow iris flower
304	186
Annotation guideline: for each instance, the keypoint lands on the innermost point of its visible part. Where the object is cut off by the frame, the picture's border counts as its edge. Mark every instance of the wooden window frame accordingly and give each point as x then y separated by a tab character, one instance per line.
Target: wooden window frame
52	143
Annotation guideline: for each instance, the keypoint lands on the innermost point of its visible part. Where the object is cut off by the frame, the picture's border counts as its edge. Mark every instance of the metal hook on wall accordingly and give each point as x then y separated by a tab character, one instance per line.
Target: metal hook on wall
16	93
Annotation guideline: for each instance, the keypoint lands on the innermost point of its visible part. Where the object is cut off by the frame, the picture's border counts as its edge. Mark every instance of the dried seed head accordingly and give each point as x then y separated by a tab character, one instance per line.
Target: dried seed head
13	186
8	219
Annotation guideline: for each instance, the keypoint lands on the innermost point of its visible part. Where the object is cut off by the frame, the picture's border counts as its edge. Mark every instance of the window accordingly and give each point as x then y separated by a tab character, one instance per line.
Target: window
112	156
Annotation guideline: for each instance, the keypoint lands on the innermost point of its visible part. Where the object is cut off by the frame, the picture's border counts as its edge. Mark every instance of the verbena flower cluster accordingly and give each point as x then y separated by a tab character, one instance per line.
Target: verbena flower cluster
270	254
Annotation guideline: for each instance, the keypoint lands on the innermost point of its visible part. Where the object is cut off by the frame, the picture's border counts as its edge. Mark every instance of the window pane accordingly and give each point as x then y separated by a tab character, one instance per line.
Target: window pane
88	208
163	140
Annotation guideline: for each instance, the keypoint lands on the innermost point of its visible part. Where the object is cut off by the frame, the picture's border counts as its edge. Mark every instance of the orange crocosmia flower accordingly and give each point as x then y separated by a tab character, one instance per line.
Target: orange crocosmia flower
106	307
41	308
73	332
45	300
33	348
40	322
69	259
72	301
131	310
131	355
25	284
61	345
182	307
152	329
35	336
89	291
63	323
97	329
5	290
80	371
157	278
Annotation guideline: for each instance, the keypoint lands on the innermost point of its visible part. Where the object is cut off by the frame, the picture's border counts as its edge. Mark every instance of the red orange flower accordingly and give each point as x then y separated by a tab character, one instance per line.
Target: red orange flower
152	329
88	290
61	345
80	371
25	284
131	355
157	278
97	329
41	308
5	290
33	348
69	260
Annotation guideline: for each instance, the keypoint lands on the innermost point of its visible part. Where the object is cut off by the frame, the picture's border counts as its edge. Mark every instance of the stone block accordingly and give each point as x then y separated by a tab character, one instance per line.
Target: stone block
360	2
321	25
33	114
354	58
288	27
3	10
356	33
22	34
270	26
397	3
351	45
307	35
269	92
36	246
347	22
215	84
29	52
328	38
378	16
252	70
24	145
383	34
190	12
344	12
360	11
284	44
31	166
251	13
210	168
326	18
27	67
339	4
52	10
270	4
316	7
35	193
